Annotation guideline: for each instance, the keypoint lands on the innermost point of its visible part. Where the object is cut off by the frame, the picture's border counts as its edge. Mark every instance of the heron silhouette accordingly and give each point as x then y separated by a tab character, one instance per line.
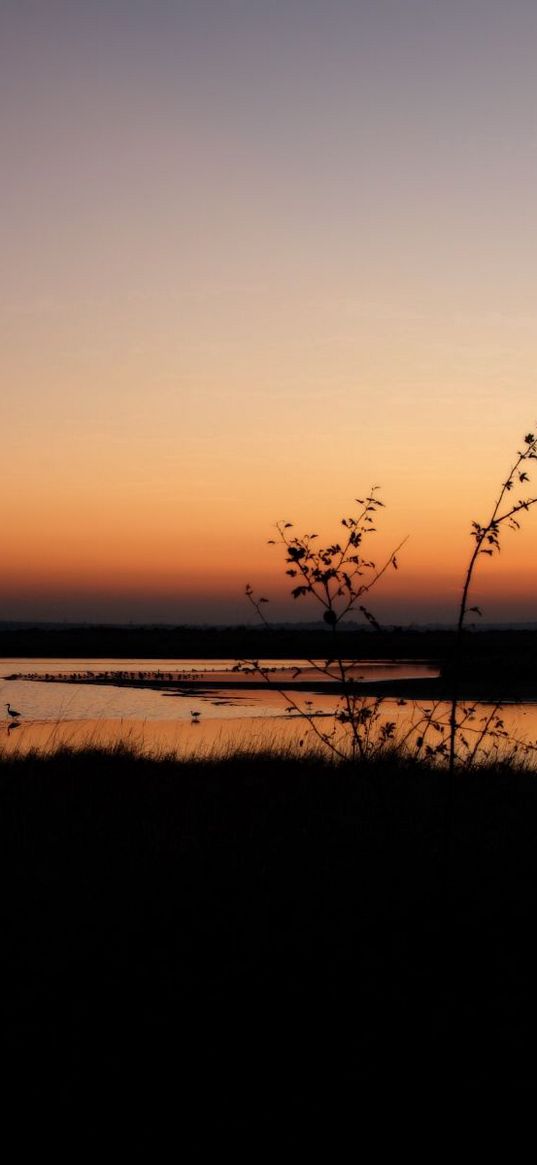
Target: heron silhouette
11	712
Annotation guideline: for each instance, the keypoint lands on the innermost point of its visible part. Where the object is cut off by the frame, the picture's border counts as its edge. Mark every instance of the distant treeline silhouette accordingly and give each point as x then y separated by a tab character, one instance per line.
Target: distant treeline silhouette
108	642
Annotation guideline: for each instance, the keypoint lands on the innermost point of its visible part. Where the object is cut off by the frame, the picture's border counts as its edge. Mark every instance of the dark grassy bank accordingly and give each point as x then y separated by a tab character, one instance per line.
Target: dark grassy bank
258	935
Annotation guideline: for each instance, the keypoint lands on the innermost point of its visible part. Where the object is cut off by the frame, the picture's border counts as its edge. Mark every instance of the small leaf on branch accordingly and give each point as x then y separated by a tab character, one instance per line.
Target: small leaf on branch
370	618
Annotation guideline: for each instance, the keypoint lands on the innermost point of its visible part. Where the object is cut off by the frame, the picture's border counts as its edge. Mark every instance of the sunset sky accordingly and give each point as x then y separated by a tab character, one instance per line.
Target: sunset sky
258	255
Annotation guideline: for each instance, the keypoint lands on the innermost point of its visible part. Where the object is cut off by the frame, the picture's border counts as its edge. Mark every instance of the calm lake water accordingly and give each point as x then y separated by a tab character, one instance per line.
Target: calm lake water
161	720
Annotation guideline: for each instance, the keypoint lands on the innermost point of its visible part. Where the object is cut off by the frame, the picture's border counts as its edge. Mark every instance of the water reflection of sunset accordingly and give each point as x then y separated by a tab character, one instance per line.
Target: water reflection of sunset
217	735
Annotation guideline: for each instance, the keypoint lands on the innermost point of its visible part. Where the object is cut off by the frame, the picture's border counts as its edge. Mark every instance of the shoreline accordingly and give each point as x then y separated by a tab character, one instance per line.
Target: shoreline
434	688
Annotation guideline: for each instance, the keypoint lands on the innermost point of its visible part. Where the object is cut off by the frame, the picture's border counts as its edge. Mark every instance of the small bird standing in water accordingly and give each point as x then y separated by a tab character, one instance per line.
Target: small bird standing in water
11	712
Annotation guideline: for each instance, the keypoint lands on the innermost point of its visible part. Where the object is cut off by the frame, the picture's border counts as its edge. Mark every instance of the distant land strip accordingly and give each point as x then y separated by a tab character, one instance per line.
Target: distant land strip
485	686
427	687
251	642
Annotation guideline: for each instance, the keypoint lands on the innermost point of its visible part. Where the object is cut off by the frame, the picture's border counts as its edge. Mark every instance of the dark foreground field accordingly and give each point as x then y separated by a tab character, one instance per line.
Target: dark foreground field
259	939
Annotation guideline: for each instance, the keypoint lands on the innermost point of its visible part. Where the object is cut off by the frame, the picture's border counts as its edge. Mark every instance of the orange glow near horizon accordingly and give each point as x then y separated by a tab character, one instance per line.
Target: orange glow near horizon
244	281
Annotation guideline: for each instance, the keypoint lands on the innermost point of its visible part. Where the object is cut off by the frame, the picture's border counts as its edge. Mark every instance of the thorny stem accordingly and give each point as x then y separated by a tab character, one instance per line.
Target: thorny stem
256	604
489	534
